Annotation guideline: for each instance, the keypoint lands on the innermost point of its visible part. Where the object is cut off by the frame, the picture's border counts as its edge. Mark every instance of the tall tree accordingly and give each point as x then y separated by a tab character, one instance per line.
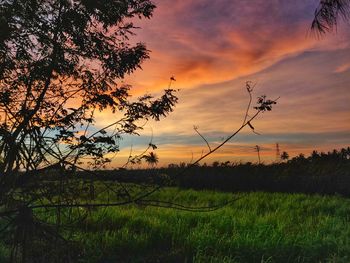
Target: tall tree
60	62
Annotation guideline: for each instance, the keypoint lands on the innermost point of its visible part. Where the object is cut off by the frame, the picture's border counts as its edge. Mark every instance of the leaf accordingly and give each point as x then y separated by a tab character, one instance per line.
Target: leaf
153	146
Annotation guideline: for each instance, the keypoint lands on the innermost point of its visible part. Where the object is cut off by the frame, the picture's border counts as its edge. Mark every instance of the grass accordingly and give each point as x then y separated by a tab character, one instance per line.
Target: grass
260	227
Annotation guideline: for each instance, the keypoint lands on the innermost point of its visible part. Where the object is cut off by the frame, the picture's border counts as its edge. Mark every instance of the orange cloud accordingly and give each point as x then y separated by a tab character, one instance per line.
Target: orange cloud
213	47
222	51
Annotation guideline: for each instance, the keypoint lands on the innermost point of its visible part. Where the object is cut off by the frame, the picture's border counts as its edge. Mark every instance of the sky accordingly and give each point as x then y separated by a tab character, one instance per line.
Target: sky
212	48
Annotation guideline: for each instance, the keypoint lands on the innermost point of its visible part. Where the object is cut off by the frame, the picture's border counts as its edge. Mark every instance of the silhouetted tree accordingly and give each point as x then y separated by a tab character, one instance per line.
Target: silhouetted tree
225	164
284	156
151	159
61	61
345	153
215	164
315	155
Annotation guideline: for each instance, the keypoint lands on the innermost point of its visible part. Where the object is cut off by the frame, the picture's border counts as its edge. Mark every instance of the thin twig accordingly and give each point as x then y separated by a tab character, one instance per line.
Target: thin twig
204	139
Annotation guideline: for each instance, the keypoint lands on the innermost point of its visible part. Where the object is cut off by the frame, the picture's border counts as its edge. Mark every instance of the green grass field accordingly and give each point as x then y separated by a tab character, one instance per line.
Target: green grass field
259	227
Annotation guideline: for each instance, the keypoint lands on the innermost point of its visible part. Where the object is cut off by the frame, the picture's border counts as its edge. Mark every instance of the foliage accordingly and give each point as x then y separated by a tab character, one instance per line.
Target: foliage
151	159
61	61
284	156
328	13
321	173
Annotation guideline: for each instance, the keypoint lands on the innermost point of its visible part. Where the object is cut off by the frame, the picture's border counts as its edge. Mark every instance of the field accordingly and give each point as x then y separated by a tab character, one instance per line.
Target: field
258	227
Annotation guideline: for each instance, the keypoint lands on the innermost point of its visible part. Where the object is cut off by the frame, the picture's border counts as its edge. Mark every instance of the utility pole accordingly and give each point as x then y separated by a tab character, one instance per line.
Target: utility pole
257	148
278	153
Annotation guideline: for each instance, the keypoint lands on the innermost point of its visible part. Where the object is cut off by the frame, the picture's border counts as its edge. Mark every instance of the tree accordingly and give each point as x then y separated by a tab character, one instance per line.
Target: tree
151	159
328	13
61	61
215	164
284	156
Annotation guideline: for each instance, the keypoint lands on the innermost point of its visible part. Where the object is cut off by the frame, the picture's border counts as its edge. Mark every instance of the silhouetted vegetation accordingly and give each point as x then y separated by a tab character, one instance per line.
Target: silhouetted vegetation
322	173
328	13
61	62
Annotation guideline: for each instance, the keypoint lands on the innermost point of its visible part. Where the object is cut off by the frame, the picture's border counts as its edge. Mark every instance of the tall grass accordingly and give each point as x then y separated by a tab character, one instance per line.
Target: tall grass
259	227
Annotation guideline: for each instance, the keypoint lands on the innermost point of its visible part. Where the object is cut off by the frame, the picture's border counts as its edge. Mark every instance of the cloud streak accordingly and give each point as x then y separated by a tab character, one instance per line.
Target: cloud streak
213	47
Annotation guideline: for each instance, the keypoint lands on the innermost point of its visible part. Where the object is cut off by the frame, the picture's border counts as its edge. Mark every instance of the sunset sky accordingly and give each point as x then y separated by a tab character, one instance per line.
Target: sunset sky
212	48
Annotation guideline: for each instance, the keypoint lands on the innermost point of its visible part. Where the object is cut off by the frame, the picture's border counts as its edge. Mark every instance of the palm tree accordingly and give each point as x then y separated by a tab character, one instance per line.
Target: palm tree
328	13
151	159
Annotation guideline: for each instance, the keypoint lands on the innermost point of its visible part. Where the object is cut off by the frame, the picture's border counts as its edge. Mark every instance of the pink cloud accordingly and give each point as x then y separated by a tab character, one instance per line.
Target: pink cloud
213	47
342	68
204	42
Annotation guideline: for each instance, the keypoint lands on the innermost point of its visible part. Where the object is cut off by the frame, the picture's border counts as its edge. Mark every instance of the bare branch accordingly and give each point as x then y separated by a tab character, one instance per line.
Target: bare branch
204	139
250	87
